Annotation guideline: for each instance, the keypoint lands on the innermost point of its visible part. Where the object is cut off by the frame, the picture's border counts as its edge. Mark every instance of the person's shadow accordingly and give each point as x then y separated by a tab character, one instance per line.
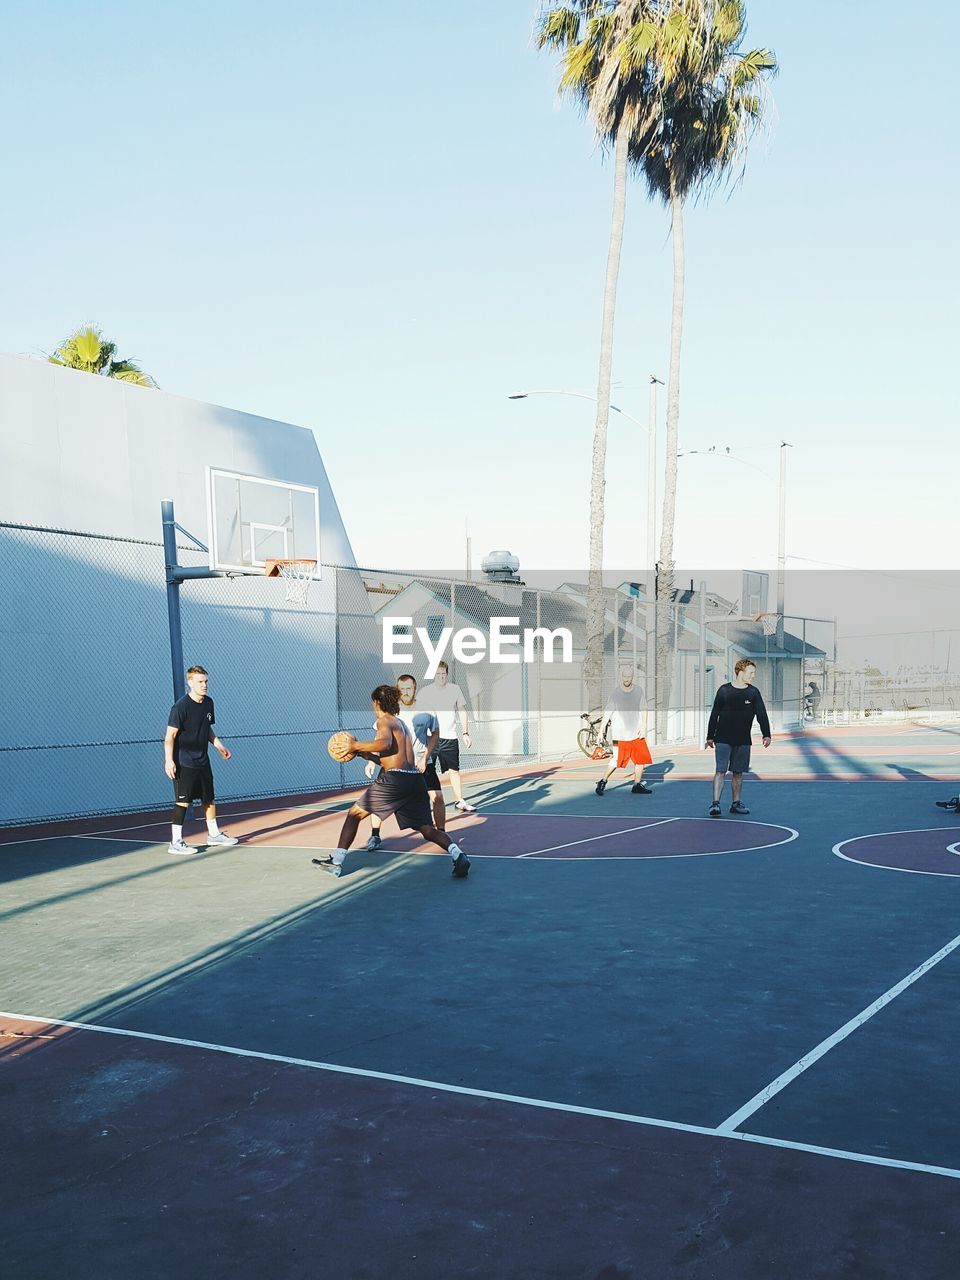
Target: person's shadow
657	772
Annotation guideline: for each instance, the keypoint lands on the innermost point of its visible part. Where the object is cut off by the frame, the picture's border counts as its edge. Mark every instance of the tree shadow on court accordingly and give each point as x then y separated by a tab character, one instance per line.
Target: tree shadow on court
822	756
69	860
912	775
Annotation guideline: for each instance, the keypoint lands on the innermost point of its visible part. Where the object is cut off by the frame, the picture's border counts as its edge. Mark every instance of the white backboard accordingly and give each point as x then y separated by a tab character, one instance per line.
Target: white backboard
251	520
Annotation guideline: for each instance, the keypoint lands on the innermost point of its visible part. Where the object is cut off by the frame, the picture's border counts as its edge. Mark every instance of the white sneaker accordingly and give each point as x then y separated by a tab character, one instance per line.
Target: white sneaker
178	846
465	806
222	839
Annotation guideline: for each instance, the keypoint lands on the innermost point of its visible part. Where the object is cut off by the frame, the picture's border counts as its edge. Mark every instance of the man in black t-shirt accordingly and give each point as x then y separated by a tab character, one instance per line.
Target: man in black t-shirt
187	761
729	730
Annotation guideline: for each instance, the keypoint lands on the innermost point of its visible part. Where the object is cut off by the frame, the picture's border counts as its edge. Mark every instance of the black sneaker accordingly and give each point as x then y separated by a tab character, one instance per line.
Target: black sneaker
374	843
715	810
953	804
461	867
639	789
601	786
738	807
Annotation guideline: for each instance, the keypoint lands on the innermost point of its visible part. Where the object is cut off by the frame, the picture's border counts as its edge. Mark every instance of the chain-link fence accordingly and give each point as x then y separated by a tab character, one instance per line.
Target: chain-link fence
86	668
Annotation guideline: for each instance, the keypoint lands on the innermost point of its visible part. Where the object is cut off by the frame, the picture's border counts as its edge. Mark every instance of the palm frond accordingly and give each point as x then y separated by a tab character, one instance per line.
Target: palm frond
558	28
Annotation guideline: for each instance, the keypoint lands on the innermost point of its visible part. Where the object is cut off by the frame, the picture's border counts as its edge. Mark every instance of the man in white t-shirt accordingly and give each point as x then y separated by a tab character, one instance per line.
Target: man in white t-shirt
425	733
448	704
626	713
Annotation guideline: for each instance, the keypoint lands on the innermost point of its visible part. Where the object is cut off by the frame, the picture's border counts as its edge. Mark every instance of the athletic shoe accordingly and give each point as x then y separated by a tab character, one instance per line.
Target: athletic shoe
601	786
461	867
953	804
374	843
222	839
326	863
178	846
715	810
638	789
465	807
738	807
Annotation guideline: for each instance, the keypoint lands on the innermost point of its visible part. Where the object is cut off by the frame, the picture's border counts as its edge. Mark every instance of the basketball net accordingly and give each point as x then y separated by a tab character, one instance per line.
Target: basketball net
296	574
769	622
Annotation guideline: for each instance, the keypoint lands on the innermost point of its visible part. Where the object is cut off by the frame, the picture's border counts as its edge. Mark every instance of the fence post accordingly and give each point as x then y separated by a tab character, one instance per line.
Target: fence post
701	686
173	597
540	689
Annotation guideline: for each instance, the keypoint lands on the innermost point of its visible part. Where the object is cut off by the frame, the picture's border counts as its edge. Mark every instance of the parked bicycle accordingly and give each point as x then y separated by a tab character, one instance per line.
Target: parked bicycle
590	741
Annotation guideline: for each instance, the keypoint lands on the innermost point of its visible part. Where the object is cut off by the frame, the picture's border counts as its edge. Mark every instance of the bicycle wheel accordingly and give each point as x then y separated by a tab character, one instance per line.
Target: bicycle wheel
586	741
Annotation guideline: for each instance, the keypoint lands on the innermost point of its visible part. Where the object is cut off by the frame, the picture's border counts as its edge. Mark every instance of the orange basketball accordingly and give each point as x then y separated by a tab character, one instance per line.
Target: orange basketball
340	747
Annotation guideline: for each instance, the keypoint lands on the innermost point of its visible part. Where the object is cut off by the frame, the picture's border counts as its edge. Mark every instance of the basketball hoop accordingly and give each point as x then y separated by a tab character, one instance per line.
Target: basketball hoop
769	622
296	574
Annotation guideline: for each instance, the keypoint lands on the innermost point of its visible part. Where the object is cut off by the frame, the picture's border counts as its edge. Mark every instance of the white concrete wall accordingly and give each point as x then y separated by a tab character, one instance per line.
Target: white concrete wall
84	649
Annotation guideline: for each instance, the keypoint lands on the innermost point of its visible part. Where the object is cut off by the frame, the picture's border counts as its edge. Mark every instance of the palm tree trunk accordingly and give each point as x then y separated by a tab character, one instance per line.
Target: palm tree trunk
665	579
593	662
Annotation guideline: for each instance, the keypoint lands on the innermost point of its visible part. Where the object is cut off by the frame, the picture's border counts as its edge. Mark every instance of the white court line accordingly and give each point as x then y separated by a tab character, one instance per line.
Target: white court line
802	1064
607	835
516	857
879	866
706	854
162	821
837	1153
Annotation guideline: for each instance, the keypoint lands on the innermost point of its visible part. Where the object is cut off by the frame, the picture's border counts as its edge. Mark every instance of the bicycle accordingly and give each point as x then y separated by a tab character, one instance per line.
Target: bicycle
589	740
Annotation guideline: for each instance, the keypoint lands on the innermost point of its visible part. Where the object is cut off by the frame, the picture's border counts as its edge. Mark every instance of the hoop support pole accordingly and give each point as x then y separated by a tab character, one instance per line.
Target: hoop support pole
173	577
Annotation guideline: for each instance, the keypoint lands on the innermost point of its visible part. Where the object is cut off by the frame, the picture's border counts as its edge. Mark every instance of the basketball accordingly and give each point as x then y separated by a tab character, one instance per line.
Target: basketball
339	746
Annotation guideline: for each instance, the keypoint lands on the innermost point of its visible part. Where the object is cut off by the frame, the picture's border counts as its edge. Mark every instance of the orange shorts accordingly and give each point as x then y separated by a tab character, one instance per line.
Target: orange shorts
635	751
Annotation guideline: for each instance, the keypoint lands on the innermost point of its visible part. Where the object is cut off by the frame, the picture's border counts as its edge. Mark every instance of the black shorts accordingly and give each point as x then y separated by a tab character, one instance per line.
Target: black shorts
448	754
429	776
396	793
735	758
193	784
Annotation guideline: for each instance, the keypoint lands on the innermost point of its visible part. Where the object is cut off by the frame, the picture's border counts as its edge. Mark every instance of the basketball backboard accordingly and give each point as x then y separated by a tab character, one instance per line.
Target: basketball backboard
252	520
754	594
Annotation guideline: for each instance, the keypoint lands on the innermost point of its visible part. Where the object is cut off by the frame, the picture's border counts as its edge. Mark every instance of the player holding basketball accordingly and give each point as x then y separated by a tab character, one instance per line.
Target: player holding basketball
398	790
187	761
446	700
626	713
729	731
425	731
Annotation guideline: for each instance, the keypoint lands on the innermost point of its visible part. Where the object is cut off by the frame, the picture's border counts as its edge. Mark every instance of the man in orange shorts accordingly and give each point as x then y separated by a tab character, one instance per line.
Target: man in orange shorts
626	713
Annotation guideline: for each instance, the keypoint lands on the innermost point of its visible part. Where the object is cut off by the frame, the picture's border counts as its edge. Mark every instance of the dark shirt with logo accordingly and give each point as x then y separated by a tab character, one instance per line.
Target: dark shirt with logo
194	720
733	713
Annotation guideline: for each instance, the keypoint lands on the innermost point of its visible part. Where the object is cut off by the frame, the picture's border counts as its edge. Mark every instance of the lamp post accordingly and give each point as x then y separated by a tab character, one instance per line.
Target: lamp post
650	428
777	683
651	548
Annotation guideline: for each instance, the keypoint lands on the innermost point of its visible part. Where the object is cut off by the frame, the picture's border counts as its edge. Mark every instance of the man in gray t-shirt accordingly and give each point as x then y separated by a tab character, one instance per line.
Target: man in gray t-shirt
424	729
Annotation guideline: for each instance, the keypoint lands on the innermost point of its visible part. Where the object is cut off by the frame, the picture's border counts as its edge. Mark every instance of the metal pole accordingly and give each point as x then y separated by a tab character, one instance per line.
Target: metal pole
173	597
652	557
782	540
701	686
778	695
539	693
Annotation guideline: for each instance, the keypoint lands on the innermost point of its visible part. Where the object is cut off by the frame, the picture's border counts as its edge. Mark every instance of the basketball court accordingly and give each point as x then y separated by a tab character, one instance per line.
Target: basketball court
635	1041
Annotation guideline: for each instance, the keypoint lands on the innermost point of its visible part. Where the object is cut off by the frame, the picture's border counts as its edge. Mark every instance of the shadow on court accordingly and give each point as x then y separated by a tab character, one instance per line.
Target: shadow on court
668	990
171	1160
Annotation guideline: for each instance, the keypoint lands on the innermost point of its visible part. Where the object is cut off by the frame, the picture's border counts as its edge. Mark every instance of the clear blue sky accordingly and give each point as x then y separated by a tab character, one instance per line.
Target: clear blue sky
374	220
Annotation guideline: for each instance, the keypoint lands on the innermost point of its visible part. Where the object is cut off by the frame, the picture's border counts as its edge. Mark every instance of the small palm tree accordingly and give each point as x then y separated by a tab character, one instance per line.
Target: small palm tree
608	68
713	101
86	349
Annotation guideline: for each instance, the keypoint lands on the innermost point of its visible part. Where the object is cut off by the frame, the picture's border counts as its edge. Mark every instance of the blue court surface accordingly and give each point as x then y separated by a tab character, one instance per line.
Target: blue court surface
635	1042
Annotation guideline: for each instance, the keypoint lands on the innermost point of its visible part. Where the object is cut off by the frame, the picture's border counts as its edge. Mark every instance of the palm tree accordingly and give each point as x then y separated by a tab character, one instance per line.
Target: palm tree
608	68
87	350
712	103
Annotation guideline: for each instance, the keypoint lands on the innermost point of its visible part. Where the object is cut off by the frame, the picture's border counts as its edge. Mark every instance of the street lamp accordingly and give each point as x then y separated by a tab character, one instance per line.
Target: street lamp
650	428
